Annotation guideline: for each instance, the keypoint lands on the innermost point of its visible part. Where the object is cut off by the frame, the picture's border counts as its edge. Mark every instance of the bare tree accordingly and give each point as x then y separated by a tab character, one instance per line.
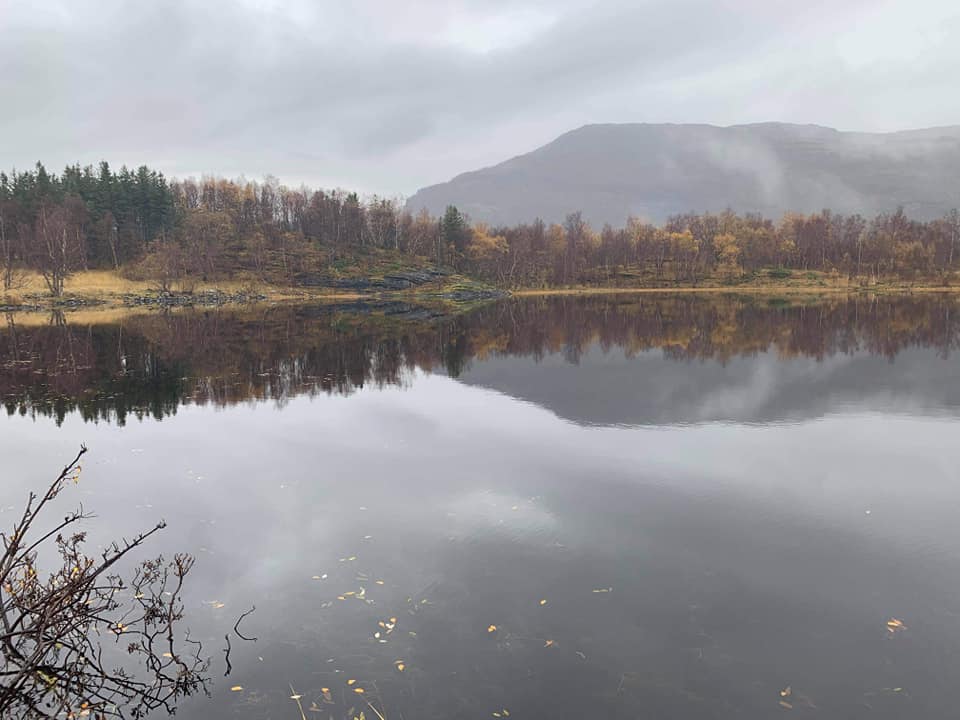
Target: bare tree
58	246
12	278
61	635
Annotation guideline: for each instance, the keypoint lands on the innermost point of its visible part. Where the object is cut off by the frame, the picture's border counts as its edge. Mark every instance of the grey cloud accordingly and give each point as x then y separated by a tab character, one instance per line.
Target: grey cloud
373	94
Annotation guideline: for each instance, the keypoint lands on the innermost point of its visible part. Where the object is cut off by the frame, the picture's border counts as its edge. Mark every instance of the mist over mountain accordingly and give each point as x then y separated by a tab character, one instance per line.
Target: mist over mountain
653	171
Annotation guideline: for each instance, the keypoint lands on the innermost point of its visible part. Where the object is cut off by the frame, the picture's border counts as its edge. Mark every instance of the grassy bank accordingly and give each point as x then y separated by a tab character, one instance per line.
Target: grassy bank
110	292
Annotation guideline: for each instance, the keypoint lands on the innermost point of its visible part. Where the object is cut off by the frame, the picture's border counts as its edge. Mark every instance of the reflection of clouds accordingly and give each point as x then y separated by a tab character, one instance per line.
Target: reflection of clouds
746	396
275	497
611	388
479	510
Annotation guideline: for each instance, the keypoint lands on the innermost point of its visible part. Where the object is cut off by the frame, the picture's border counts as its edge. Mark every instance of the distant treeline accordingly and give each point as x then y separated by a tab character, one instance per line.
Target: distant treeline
138	221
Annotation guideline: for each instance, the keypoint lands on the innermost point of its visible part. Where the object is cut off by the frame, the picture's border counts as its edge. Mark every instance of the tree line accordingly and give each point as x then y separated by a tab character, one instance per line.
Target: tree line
140	222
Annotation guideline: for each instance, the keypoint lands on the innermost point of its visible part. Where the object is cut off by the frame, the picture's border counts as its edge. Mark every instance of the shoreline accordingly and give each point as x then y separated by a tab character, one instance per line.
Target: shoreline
99	292
769	290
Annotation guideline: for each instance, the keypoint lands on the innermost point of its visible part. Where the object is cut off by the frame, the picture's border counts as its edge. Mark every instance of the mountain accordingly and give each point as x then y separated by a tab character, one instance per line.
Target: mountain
653	171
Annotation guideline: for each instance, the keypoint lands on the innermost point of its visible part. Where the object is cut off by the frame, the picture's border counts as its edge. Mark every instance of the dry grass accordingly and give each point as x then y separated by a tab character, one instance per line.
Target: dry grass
108	284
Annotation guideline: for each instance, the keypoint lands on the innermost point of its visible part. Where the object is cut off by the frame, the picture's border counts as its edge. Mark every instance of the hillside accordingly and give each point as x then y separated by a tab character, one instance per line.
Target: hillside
653	171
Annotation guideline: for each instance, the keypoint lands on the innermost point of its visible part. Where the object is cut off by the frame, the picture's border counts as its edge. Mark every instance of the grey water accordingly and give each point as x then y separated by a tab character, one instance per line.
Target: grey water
619	507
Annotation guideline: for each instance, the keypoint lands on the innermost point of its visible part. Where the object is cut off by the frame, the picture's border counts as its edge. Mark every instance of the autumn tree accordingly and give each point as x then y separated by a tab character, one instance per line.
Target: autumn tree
728	253
486	252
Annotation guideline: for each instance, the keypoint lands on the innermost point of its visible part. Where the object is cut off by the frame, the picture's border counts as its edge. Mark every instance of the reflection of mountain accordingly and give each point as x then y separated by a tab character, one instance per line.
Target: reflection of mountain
610	388
621	359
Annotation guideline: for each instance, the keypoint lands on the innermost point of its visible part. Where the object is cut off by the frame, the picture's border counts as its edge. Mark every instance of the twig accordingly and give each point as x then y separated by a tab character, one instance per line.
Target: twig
226	655
236	627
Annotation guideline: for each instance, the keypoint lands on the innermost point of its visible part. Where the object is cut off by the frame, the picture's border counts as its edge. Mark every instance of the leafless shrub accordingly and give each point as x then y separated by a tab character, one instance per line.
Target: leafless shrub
64	636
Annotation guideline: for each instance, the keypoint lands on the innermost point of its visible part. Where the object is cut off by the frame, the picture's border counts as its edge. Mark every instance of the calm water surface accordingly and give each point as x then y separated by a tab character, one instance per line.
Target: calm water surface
715	498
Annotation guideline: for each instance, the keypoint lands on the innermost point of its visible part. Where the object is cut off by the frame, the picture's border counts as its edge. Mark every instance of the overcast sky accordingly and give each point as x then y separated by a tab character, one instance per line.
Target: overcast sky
390	95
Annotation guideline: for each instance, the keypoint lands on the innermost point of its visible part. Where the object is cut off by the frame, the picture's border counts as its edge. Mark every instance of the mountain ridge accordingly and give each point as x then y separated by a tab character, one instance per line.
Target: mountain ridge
653	170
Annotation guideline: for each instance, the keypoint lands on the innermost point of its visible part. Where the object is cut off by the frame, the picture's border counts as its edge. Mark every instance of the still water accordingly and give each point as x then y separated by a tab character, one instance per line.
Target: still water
618	507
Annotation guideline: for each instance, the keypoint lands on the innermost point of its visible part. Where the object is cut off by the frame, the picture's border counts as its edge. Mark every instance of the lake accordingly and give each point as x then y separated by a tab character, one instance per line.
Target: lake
663	506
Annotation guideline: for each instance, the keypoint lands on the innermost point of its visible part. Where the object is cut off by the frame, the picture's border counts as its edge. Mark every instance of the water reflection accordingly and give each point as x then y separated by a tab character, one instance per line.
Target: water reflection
453	472
600	360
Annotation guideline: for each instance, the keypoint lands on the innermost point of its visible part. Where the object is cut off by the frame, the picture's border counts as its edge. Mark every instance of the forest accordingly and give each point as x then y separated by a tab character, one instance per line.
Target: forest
143	225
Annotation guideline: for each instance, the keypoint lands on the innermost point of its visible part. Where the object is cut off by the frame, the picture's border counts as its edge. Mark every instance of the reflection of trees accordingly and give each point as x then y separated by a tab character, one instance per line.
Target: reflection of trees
148	365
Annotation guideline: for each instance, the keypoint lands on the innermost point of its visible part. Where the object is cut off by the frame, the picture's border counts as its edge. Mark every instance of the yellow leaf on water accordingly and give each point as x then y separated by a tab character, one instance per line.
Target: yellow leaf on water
543	602
401	666
351	681
167	655
506	713
548	643
359	691
236	688
786	692
296	697
492	628
379	582
218	605
393	620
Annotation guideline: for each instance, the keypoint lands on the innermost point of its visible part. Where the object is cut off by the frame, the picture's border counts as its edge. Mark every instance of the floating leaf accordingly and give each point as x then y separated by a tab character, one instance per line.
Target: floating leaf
894	625
236	688
785	704
401	666
379	582
351	681
359	691
548	643
786	692
296	697
543	602
492	629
